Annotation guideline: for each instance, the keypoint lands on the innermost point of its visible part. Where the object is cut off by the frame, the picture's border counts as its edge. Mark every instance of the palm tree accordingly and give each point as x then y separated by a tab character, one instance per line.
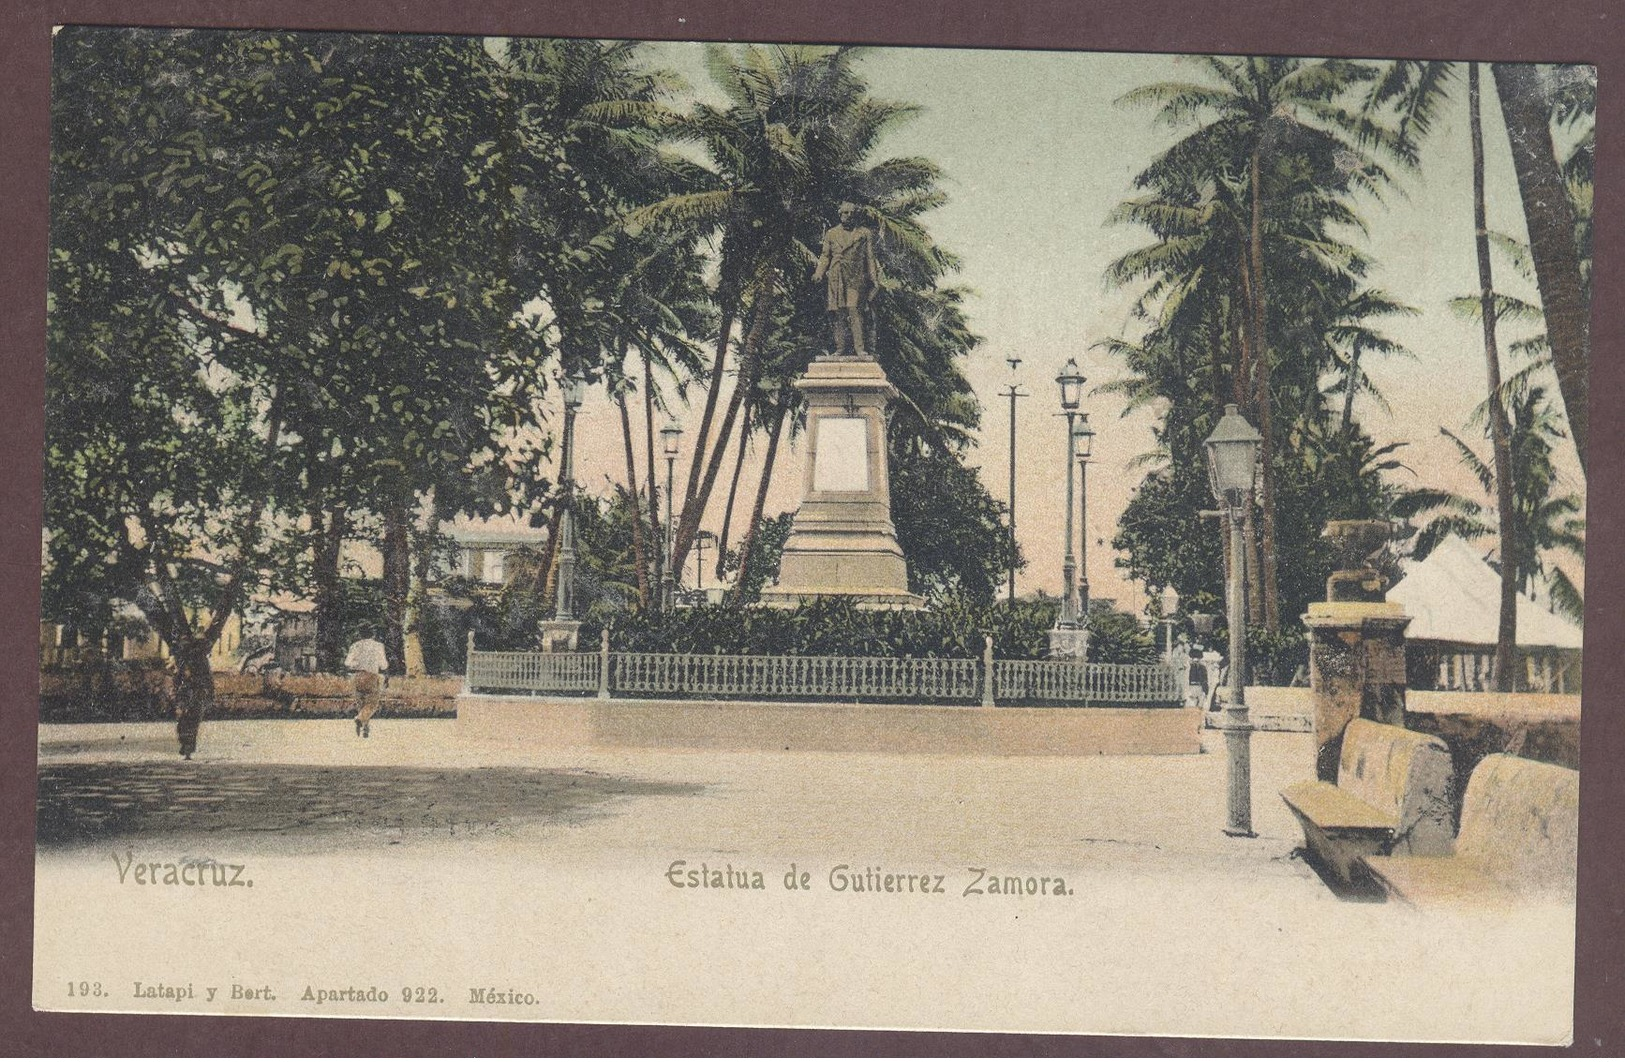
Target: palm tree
791	143
1550	215
1275	131
1547	519
1555	195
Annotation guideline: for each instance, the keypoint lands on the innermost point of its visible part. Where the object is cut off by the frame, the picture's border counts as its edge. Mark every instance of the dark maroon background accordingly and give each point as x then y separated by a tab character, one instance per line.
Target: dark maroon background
1545	30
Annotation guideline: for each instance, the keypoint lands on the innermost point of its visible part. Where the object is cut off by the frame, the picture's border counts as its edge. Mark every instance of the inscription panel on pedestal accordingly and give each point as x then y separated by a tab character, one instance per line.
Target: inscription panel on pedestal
841	461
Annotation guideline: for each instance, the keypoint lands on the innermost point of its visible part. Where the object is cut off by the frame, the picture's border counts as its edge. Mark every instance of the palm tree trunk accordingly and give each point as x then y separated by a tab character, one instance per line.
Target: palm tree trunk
694	507
713	394
768	459
733	489
656	541
1351	384
638	549
1265	402
1549	214
1500	433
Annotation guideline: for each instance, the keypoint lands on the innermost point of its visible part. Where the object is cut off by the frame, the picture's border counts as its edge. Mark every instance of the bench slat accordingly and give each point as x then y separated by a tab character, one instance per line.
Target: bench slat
1437	880
1332	808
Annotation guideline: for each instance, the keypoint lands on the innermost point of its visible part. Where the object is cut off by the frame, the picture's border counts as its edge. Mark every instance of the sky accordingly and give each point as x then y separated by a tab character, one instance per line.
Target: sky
1036	153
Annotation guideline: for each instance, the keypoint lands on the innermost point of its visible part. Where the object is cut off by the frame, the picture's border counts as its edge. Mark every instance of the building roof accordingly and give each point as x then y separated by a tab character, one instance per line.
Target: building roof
493	533
1455	596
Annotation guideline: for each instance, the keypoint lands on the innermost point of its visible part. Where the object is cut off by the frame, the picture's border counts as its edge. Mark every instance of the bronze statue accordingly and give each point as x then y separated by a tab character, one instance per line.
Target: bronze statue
847	266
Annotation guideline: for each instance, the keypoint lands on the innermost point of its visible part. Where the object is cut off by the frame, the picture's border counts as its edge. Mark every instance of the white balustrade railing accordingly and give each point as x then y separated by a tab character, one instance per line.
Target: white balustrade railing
1075	682
789	677
533	672
720	675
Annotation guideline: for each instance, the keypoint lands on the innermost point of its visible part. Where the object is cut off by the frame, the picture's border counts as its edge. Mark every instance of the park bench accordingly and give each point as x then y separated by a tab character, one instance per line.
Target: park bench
1520	824
1392	796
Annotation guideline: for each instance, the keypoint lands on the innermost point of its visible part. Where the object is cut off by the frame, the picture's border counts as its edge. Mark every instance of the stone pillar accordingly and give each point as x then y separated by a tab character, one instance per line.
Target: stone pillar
1356	647
842	542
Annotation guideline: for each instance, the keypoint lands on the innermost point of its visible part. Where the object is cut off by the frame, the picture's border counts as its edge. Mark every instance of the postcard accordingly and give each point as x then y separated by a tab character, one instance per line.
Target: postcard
656	532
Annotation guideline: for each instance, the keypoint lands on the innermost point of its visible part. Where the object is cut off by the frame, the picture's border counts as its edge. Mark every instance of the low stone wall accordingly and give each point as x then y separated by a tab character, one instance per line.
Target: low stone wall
1535	726
145	695
753	726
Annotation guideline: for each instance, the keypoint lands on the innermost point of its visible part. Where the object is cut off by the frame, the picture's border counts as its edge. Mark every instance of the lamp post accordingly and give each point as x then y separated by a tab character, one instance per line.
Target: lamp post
669	436
1012	392
1070	382
575	390
1170	605
1232	455
702	541
1083	446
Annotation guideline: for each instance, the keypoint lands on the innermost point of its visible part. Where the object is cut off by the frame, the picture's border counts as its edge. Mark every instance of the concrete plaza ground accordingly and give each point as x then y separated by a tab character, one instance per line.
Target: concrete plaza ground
433	858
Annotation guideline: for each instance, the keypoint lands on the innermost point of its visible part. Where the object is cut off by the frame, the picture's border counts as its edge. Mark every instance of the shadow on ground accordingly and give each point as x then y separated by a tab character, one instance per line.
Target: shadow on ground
91	802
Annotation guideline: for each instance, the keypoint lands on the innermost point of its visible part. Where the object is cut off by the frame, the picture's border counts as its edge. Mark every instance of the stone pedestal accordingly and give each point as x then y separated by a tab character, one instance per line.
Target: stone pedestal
842	543
1356	671
1068	643
560	636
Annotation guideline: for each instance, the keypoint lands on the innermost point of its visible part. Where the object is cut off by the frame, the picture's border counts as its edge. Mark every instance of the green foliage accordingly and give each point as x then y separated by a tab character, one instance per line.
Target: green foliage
950	528
954	628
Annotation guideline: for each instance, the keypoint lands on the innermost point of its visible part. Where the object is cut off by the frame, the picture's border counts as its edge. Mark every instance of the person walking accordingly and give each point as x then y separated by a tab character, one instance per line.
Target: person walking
366	661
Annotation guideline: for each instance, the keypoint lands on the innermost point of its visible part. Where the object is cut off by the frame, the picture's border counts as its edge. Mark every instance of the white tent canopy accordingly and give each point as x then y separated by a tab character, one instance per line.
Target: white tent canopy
1455	596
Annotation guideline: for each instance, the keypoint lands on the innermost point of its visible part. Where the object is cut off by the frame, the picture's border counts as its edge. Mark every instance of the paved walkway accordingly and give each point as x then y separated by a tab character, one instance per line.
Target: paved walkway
290	785
425	857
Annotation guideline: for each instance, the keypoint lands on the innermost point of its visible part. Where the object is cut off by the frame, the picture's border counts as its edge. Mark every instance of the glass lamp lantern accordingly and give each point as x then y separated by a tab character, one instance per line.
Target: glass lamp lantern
1071	383
575	391
1232	458
1083	439
669	436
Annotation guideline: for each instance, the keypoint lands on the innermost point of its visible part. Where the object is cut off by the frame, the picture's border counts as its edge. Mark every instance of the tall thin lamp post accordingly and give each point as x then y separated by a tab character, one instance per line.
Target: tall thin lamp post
575	390
1012	392
1232	457
1070	382
669	437
1083	447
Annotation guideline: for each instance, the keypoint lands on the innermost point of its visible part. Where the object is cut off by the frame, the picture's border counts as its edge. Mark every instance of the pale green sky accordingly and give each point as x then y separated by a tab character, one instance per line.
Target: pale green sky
1036	154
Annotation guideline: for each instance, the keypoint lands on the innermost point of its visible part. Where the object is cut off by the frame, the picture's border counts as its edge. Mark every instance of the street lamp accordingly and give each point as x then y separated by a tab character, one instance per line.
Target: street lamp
669	436
702	541
1012	392
575	391
1232	456
1071	384
1170	605
1083	447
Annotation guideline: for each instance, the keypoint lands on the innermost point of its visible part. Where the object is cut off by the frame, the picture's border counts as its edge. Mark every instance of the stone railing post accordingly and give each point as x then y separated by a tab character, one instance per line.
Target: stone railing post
987	671
468	662
603	665
1356	646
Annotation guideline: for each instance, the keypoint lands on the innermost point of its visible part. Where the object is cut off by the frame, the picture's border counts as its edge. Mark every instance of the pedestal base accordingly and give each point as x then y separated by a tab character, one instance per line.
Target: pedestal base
1356	670
1068	643
842	543
559	636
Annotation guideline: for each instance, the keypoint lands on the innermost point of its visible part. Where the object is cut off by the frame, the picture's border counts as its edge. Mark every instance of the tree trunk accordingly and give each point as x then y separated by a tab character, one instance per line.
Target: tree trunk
1350	385
1249	570
729	306
332	527
745	546
639	551
657	542
1265	402
1500	433
397	550
194	688
694	507
733	491
1549	215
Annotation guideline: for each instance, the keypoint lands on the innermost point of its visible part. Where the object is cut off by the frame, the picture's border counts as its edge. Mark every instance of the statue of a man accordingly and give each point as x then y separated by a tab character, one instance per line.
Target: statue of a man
847	266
